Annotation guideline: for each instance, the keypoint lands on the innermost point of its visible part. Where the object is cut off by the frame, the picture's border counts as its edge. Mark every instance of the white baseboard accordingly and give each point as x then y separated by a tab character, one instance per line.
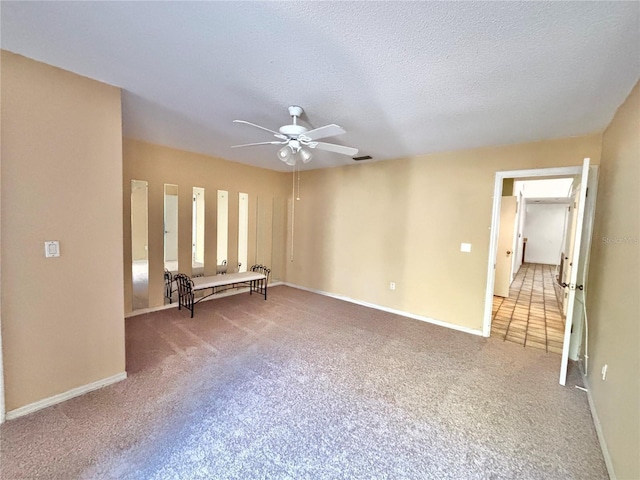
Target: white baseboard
596	422
228	293
142	311
387	309
61	397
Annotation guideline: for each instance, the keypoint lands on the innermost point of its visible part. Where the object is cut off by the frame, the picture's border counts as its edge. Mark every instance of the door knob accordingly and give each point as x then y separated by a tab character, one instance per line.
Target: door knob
508	252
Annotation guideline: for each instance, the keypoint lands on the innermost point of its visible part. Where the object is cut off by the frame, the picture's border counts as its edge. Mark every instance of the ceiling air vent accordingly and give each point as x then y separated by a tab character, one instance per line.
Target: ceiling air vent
364	157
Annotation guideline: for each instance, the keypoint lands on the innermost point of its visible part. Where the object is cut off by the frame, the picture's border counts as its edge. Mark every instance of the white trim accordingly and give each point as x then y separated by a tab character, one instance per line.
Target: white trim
495	221
142	311
159	308
2	404
61	397
452	326
596	422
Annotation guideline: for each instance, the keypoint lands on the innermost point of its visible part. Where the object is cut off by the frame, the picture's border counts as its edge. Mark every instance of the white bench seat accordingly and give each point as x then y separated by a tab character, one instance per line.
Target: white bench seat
213	281
257	279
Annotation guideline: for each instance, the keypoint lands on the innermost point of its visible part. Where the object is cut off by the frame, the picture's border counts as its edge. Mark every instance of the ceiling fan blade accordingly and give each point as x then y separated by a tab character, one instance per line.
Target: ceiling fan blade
332	147
278	135
259	143
323	132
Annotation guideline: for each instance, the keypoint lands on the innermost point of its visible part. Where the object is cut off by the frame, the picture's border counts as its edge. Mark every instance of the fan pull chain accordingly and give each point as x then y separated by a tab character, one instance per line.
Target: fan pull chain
293	210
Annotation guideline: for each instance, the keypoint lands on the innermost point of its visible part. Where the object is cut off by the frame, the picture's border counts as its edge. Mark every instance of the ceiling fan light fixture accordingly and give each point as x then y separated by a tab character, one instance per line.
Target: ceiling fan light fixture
285	154
305	155
291	161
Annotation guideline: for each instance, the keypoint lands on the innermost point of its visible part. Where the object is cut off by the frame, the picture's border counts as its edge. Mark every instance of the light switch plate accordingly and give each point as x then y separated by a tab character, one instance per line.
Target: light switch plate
465	247
52	249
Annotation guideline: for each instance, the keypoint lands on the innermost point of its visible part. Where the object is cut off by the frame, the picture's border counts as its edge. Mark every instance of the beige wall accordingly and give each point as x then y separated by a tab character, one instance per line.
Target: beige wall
62	318
159	165
359	227
613	287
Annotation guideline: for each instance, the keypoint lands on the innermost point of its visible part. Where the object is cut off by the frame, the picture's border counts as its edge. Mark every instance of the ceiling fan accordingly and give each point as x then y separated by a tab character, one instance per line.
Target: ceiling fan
296	139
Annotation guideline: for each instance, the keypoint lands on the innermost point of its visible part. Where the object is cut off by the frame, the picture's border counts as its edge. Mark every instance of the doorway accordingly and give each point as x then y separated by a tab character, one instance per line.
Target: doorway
586	177
527	303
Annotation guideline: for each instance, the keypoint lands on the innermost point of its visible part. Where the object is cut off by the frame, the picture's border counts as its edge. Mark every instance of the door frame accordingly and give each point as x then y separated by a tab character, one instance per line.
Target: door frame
521	205
509	247
495	225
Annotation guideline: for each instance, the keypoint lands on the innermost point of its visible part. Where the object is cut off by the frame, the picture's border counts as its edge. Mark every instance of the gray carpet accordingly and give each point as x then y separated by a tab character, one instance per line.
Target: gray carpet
307	387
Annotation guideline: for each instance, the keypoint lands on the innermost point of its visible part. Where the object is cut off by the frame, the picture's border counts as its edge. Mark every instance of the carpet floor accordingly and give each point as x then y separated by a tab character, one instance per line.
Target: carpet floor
303	386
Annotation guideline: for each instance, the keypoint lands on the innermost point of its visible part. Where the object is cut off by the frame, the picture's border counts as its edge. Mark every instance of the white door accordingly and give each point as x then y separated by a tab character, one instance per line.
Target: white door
516	256
504	255
570	239
578	264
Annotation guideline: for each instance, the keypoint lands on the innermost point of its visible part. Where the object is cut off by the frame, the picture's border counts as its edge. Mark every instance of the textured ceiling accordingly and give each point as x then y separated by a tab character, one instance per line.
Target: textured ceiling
403	78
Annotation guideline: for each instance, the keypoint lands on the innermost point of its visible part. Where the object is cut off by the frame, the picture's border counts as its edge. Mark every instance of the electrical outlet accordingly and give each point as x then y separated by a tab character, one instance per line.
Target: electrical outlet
52	249
604	372
392	286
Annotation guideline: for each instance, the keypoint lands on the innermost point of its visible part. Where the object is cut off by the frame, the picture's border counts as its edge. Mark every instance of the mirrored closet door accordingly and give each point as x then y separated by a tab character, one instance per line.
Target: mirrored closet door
222	231
243	231
197	232
171	228
139	244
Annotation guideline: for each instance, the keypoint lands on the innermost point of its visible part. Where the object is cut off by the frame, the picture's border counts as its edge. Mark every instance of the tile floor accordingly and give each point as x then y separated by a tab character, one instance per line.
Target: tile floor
532	315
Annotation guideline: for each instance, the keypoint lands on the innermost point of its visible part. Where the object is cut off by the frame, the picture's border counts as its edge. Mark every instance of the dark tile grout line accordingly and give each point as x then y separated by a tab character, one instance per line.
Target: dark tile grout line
520	285
559	305
533	283
501	302
506	333
544	304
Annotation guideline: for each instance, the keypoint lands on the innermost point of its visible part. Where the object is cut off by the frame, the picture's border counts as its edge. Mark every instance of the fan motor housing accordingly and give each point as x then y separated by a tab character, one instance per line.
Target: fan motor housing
295	110
292	130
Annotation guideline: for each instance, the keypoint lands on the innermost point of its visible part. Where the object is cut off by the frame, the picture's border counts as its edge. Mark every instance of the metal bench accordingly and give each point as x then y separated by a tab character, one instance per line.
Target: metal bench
257	279
169	285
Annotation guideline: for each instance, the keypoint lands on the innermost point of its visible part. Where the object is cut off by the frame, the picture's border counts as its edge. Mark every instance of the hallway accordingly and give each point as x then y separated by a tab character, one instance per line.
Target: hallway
532	315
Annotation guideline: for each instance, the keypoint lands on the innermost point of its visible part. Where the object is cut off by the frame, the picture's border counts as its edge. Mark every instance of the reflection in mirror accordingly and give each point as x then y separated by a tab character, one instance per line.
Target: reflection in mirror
243	231
197	235
171	227
223	230
264	206
139	245
279	235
